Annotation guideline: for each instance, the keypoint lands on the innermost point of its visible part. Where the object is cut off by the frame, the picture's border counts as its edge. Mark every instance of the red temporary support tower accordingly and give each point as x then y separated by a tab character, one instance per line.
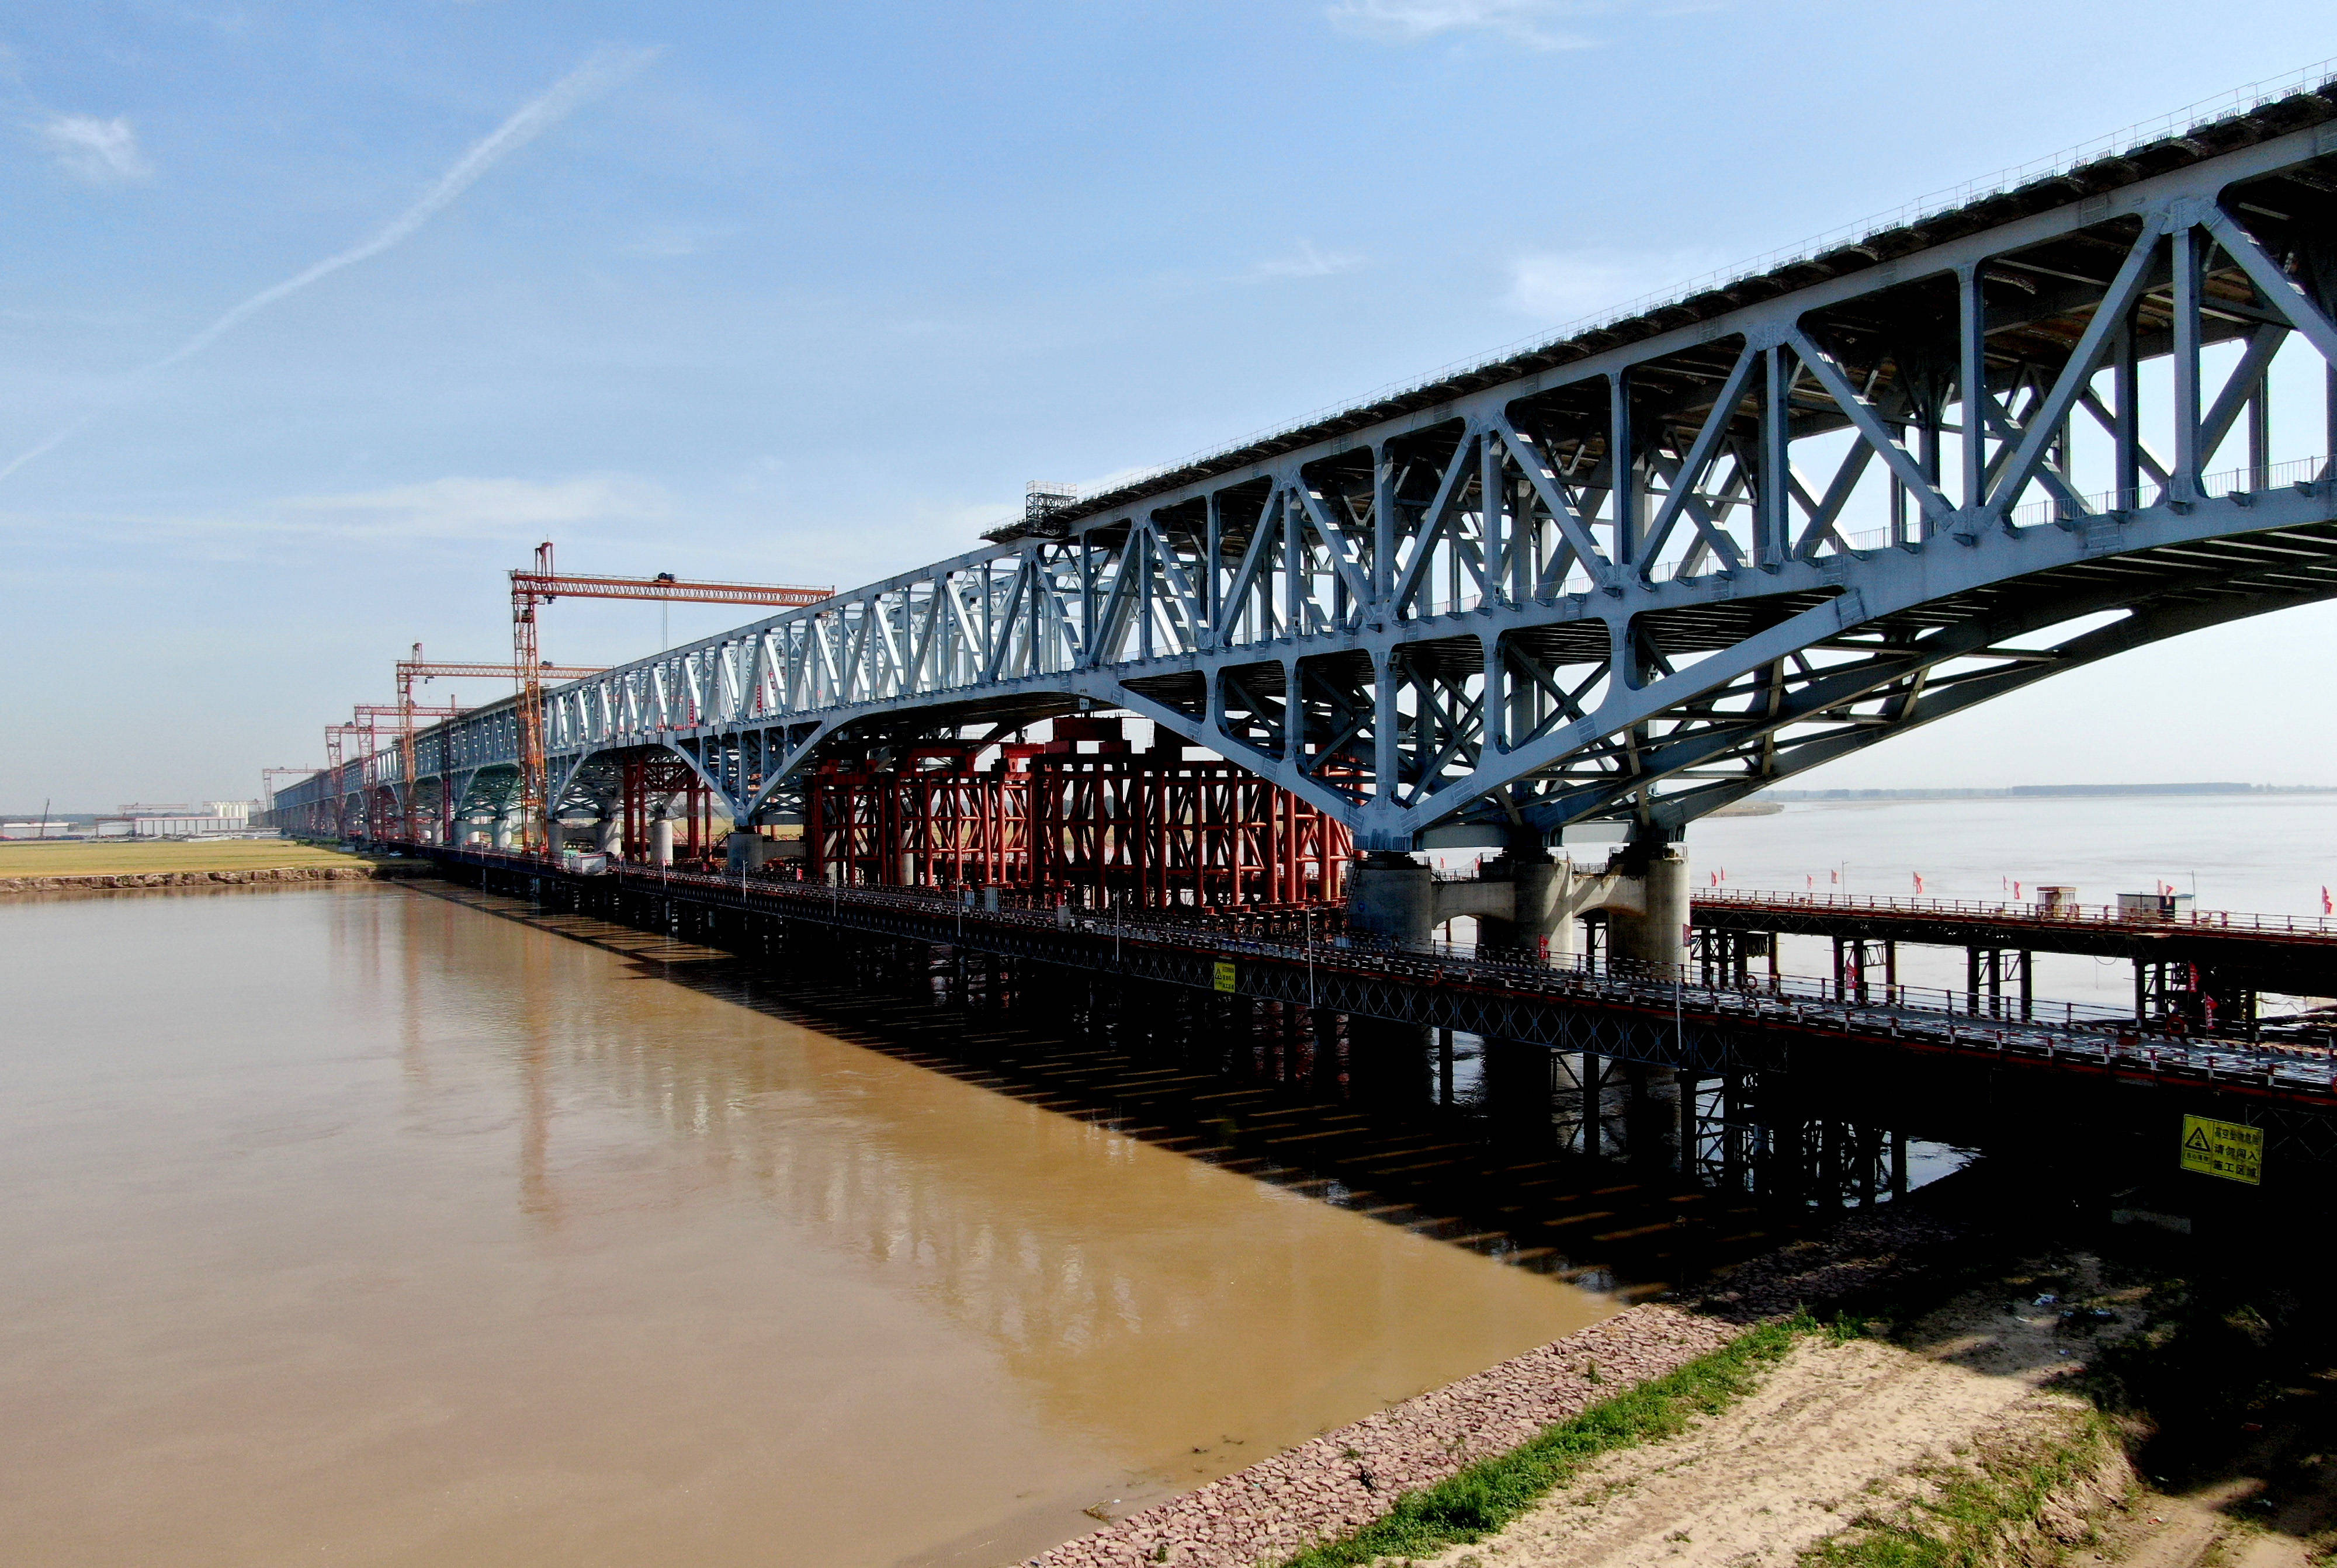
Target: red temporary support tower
1083	815
646	778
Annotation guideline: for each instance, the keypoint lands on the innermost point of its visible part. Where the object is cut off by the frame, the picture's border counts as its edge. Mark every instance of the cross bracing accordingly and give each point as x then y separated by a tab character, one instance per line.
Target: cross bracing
1639	574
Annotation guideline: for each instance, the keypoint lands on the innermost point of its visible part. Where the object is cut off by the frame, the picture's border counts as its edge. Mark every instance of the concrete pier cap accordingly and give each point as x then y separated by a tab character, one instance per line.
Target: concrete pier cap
1657	934
1530	896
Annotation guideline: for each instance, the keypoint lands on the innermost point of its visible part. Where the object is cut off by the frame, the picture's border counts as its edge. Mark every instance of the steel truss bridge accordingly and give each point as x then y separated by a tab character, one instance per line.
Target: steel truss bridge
1634	574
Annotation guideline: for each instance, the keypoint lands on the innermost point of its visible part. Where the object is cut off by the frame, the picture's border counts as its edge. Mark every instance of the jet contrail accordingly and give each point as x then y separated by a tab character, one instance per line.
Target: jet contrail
604	70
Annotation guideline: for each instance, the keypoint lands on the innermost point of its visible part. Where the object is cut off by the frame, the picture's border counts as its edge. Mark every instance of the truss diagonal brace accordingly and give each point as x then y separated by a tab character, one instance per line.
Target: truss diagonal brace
1862	414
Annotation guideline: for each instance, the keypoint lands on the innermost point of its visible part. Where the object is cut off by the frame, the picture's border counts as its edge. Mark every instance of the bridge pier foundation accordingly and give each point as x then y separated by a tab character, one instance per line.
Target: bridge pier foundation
1392	896
1657	934
747	850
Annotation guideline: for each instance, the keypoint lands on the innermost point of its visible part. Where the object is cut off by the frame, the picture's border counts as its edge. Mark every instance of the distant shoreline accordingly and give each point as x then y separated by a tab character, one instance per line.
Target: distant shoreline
2042	792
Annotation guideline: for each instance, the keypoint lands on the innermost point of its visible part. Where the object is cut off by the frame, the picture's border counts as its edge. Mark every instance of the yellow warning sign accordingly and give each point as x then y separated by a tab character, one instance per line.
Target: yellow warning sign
2228	1149
1225	977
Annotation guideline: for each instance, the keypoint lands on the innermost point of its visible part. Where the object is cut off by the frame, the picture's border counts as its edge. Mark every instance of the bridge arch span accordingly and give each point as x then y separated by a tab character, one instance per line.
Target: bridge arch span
1641	572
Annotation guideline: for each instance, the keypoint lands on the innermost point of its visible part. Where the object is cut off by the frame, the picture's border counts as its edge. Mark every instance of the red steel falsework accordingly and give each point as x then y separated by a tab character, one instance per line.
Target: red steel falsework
1150	829
643	780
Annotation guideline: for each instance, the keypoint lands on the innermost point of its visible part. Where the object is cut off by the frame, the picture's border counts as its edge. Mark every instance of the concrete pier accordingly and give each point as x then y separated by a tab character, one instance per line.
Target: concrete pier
1528	900
1657	931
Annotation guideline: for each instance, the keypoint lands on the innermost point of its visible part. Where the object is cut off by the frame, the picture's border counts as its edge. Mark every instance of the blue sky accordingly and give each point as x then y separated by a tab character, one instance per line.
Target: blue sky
806	293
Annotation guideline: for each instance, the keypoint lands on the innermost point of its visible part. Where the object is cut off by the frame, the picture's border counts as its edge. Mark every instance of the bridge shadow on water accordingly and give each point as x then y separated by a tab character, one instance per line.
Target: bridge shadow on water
1615	1178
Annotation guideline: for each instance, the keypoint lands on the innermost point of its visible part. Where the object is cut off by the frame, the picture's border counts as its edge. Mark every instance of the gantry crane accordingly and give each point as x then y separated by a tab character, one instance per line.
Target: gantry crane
541	586
267	777
418	668
366	710
336	734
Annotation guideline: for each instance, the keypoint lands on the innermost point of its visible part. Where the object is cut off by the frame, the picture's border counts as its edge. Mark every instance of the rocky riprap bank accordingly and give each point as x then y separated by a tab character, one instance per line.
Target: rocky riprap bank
1344	1480
100	881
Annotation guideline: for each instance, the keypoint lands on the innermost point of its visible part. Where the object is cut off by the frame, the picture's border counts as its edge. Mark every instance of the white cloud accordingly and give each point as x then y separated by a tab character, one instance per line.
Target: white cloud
1306	262
512	513
467	508
1526	21
605	69
101	151
1568	286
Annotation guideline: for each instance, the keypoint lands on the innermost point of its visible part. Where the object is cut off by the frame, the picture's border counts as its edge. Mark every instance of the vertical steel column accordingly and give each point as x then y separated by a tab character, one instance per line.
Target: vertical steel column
2126	416
1774	499
1623	465
2188	260
1972	384
2259	417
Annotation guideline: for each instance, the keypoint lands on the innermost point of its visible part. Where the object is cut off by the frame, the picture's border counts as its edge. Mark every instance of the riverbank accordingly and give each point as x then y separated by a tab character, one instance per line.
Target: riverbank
111	856
1341	1484
337	868
2019	1399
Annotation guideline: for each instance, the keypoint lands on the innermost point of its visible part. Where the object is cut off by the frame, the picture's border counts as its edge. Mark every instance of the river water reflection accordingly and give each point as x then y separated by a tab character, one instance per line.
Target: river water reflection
361	1225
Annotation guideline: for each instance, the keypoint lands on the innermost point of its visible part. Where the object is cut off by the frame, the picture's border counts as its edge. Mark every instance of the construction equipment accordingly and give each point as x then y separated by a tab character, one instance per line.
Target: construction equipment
541	586
337	735
418	668
267	777
365	711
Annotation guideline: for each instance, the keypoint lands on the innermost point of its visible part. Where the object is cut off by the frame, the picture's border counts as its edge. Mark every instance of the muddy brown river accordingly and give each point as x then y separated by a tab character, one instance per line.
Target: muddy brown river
363	1225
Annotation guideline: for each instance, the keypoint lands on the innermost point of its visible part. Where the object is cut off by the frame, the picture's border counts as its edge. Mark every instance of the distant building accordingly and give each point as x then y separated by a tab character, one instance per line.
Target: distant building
186	827
141	819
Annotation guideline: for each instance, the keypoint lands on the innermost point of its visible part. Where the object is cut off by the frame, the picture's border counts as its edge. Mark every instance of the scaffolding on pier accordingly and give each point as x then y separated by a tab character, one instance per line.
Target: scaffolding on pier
1082	815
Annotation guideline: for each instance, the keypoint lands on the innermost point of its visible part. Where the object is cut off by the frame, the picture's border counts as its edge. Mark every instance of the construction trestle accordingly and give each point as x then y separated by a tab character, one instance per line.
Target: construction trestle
1618	1011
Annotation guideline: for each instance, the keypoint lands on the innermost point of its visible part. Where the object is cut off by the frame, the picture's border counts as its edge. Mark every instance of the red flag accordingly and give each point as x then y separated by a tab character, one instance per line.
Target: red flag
1834	875
1919	881
2016	889
2327	906
1808	883
1715	878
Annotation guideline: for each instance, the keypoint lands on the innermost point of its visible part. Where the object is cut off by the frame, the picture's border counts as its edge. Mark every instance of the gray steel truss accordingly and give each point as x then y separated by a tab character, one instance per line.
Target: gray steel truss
1636	574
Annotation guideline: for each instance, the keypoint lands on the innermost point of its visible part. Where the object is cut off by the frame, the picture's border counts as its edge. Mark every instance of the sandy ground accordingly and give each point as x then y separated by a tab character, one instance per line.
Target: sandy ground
101	858
2220	1527
1832	1426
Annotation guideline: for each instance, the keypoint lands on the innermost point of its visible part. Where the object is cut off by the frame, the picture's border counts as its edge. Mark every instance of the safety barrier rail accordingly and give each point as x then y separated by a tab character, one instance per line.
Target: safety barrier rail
2042	913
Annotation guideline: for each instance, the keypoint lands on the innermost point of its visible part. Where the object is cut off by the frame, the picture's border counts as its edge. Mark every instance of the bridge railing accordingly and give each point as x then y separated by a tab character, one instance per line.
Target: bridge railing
2037	913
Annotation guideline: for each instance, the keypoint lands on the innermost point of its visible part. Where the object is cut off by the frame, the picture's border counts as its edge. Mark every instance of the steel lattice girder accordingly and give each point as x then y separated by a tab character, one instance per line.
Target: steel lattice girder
1590	582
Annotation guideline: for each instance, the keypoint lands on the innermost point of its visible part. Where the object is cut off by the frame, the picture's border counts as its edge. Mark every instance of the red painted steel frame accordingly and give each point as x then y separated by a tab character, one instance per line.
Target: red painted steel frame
642	782
1150	827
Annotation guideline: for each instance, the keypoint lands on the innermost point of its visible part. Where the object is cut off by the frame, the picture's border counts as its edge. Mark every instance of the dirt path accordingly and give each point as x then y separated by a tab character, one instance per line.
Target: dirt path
1792	1463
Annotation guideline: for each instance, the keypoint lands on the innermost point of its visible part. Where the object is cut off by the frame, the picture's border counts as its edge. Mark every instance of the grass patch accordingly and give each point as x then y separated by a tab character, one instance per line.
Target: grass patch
112	857
1973	1514
1488	1494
